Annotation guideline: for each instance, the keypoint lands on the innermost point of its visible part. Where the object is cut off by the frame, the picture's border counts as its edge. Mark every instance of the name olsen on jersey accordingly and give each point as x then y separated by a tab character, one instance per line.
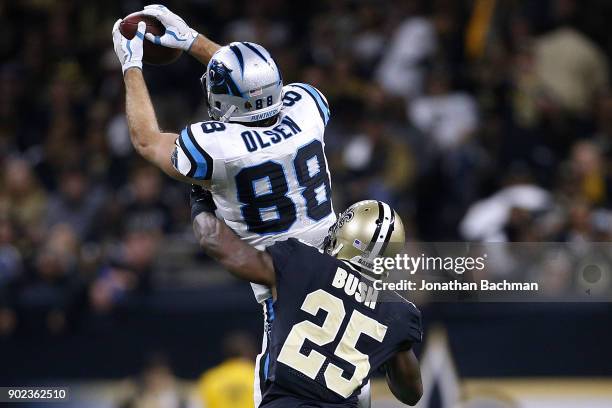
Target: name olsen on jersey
455	285
284	130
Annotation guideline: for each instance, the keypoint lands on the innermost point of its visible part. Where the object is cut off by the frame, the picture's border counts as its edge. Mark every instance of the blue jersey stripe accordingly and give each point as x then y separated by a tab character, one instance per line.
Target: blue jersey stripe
316	103
267	365
270	309
321	105
318	93
192	162
200	160
207	159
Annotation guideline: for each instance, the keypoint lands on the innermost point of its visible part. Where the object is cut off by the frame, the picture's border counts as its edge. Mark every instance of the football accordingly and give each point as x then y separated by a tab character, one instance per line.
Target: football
153	54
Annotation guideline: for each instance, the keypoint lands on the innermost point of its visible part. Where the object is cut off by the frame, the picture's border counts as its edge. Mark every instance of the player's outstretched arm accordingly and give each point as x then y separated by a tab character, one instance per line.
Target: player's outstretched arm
203	49
152	144
148	140
222	244
404	377
179	35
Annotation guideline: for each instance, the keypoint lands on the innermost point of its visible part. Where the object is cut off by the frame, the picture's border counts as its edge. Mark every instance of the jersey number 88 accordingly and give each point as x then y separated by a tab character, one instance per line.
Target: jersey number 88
275	200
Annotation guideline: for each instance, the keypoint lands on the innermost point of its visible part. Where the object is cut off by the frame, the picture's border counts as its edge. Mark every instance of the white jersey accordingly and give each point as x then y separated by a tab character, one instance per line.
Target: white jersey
268	183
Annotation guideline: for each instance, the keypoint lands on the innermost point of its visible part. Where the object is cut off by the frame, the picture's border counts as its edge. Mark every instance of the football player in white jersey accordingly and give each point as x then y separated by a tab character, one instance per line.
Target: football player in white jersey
262	156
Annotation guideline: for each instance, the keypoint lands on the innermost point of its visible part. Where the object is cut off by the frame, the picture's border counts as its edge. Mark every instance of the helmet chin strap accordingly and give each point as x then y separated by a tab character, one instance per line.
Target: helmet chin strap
228	113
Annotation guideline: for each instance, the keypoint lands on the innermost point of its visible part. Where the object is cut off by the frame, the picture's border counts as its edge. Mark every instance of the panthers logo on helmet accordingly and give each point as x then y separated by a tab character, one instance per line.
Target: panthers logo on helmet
221	81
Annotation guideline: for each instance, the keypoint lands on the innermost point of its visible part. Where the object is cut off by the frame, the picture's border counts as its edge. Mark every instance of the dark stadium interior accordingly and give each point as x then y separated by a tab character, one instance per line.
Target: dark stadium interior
98	264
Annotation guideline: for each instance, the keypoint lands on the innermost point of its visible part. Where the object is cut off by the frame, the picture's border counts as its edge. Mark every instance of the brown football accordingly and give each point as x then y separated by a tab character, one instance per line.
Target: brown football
153	53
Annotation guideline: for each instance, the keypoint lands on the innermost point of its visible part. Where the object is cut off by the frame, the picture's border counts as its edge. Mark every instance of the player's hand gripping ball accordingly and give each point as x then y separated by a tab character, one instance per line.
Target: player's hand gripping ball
154	52
176	33
129	51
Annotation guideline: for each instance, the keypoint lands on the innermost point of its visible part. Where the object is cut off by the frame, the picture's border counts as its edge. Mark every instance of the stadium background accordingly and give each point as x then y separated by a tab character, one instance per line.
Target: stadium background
436	106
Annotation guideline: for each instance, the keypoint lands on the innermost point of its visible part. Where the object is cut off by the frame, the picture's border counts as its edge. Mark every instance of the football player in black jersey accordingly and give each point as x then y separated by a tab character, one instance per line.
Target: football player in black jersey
330	329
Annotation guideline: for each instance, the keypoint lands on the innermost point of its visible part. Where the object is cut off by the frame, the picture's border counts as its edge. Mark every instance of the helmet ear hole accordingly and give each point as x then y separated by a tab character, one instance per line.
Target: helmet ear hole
218	105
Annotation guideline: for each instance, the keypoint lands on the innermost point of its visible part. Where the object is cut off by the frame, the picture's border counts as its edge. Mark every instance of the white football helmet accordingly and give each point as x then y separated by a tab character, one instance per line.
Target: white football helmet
243	84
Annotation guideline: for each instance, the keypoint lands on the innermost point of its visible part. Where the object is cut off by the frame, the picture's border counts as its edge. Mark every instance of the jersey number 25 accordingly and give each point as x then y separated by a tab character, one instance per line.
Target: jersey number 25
311	364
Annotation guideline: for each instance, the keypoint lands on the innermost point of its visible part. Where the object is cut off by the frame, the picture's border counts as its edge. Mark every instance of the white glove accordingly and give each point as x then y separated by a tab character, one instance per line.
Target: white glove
178	34
129	52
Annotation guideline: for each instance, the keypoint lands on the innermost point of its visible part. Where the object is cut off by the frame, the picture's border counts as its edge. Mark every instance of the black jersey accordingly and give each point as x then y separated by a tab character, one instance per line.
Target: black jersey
331	329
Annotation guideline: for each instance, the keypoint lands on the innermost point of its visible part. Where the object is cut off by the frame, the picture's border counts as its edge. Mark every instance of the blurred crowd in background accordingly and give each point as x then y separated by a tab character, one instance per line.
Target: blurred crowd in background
228	384
477	120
